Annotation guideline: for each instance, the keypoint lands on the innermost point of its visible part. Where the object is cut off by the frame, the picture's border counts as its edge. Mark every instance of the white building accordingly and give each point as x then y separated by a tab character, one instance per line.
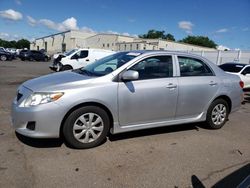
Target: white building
60	42
68	40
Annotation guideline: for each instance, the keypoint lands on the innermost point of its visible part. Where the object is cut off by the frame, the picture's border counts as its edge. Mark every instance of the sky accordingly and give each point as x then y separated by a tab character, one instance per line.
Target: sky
225	22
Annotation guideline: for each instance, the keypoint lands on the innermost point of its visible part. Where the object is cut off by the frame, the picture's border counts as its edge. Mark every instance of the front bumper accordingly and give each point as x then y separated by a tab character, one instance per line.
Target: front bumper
52	67
47	118
56	66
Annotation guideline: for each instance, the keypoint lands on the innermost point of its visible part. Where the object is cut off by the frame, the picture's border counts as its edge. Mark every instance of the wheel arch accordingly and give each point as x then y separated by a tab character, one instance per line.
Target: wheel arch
83	105
227	99
67	65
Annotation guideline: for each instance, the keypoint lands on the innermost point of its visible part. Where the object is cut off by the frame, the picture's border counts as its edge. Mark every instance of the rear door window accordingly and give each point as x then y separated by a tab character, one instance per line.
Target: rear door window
193	67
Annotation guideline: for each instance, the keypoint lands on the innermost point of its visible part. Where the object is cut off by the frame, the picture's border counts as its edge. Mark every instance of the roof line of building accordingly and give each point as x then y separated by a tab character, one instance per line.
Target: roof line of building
111	34
53	34
178	43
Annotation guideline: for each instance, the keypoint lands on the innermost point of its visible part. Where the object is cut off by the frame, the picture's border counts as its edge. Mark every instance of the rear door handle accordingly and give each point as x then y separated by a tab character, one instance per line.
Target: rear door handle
171	86
87	59
212	83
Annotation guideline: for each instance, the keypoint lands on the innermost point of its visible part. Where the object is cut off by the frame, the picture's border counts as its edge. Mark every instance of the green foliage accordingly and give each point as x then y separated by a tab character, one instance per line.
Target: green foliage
154	34
20	44
200	41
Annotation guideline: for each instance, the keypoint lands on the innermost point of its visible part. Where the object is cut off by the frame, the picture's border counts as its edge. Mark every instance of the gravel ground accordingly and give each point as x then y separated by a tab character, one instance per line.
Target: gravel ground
179	156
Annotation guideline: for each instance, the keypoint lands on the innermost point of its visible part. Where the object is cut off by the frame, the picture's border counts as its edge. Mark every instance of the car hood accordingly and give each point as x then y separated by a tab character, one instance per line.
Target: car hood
57	81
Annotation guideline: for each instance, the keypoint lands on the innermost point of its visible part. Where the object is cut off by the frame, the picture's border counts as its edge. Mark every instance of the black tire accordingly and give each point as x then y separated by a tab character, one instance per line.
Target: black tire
209	121
68	131
31	59
3	58
66	67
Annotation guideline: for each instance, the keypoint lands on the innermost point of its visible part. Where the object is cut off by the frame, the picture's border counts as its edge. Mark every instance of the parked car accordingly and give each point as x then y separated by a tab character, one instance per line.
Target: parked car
5	55
32	55
242	70
78	58
123	92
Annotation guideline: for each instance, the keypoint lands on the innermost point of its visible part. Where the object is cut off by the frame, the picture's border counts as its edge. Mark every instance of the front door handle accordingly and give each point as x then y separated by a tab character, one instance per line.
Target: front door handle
87	59
171	86
212	83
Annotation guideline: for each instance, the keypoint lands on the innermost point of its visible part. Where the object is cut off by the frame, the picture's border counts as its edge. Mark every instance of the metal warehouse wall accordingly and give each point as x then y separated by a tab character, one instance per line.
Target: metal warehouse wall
221	57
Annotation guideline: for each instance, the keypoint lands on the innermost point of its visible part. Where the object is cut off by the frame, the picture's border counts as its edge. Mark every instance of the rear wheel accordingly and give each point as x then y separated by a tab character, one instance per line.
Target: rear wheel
66	67
86	127
217	114
3	57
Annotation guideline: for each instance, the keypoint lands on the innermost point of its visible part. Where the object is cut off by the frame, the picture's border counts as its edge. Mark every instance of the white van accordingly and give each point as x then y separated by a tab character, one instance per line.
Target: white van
78	58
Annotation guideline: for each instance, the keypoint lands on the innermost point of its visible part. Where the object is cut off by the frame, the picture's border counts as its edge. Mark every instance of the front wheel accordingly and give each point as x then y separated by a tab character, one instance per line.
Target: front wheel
217	114
3	57
86	127
66	67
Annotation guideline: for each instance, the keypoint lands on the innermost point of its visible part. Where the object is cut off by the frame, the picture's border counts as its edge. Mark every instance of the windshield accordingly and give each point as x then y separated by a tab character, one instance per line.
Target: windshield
70	52
108	64
232	67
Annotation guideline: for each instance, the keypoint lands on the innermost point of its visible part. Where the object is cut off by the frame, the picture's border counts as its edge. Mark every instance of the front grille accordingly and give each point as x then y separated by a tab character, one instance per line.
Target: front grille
19	96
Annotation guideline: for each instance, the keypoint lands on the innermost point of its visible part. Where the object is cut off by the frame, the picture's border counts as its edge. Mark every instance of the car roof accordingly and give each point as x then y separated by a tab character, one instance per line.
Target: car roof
170	52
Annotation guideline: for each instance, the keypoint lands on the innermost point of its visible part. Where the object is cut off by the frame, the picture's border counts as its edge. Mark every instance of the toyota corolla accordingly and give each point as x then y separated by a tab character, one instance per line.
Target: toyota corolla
124	92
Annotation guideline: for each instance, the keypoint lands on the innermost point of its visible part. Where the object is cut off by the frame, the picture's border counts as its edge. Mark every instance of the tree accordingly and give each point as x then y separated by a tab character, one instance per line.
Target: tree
23	43
154	34
169	37
200	41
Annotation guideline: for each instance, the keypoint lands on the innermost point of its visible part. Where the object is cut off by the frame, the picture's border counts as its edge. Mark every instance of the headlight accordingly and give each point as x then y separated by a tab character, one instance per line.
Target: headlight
41	98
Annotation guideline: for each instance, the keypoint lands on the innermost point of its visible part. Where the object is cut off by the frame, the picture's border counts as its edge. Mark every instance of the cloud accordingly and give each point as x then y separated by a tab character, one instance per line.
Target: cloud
131	20
222	47
4	36
117	33
49	24
68	24
245	29
126	34
31	21
187	26
18	2
11	14
9	37
223	30
87	30
112	32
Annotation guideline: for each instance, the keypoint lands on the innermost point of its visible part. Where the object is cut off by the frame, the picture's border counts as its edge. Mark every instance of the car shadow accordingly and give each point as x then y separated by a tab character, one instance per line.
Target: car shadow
246	97
238	178
57	142
157	131
247	100
39	142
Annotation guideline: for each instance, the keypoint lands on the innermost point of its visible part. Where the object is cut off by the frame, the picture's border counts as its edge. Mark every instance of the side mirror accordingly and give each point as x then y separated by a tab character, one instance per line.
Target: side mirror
130	75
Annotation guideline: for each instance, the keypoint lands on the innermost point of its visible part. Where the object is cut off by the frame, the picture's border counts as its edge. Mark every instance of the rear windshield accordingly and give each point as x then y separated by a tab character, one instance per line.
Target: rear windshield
232	67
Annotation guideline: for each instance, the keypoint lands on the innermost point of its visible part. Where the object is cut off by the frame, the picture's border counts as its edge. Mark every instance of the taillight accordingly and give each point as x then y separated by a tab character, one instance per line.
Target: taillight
241	84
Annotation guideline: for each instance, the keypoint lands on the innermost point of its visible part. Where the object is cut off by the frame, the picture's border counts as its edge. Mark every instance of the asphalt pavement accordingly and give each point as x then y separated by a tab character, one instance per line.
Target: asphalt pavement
178	156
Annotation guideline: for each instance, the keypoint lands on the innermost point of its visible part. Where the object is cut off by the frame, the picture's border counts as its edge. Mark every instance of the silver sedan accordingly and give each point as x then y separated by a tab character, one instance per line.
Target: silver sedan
123	92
